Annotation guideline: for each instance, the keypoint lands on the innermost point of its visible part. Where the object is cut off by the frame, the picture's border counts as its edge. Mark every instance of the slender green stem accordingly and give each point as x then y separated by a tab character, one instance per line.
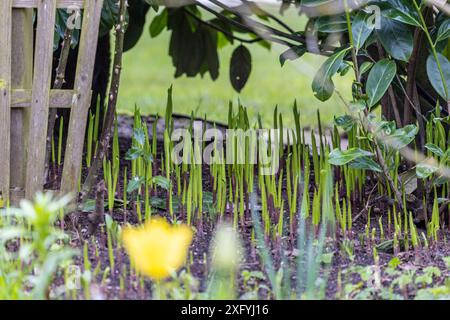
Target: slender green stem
433	47
352	42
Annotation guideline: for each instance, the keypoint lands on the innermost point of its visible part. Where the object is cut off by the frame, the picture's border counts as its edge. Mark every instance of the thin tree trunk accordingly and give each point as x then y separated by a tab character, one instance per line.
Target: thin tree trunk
105	137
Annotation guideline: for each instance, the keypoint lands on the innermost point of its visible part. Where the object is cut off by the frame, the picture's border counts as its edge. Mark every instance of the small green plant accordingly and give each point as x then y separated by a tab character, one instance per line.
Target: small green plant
40	248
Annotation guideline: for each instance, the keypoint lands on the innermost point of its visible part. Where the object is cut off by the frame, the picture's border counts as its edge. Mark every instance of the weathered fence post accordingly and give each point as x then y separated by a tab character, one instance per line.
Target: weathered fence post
5	96
83	81
26	94
40	97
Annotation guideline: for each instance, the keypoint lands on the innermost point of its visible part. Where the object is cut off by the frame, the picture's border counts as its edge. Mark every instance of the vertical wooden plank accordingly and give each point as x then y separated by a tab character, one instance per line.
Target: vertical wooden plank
21	78
40	97
5	95
83	83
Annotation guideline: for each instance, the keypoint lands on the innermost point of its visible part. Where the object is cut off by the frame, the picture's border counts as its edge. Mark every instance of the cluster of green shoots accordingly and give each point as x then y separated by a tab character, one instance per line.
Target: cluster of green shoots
319	191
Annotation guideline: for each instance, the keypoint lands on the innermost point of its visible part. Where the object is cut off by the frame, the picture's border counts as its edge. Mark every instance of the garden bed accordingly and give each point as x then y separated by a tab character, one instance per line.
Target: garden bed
350	268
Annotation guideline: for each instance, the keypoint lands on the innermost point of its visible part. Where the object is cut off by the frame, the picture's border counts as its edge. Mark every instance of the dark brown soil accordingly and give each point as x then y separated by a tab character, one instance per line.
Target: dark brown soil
131	289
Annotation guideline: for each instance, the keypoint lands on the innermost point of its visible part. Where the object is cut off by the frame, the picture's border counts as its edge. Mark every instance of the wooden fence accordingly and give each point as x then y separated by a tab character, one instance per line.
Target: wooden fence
26	94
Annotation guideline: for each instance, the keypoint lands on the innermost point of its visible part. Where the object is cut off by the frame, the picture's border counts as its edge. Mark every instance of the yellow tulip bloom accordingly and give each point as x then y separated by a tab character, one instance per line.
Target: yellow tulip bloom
157	248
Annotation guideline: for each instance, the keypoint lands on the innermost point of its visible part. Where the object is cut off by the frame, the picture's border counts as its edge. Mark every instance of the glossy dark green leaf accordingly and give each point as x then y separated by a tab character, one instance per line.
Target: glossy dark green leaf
401	137
365	66
365	163
396	38
404	17
345	122
403	11
379	80
339	157
361	30
444	30
109	16
134	184
331	24
133	153
425	169
139	136
434	75
434	149
158	23
162	182
161	203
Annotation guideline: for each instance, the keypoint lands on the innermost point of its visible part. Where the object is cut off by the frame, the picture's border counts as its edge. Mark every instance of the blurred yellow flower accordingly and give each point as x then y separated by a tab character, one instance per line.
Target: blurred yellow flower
157	248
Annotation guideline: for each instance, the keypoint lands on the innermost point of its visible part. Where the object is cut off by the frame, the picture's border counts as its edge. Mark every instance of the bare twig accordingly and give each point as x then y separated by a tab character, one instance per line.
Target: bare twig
384	167
243	26
98	216
218	28
381	160
59	81
411	75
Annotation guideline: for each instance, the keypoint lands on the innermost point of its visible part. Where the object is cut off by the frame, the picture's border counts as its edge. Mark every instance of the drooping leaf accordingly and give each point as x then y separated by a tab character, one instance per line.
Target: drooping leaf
211	63
193	46
158	23
186	45
344	68
292	53
240	67
137	12
322	85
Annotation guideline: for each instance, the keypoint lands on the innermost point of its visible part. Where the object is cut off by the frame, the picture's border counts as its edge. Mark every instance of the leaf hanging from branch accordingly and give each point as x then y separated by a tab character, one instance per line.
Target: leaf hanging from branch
240	67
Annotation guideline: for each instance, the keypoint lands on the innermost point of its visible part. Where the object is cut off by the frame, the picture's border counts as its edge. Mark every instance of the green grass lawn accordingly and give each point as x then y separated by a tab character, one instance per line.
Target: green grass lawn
148	72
